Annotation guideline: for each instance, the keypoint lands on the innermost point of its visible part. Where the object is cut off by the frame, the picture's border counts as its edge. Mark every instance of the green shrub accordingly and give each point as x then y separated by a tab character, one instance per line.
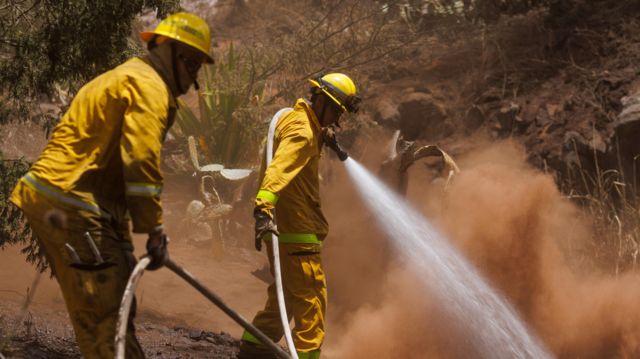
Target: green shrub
44	44
13	228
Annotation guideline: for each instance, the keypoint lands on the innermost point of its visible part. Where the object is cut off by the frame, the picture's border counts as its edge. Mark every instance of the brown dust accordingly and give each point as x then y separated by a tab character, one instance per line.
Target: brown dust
514	225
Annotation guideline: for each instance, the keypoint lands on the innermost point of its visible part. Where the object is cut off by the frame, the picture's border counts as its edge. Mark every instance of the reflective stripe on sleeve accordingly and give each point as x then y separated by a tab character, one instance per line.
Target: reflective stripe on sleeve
268	196
56	194
143	189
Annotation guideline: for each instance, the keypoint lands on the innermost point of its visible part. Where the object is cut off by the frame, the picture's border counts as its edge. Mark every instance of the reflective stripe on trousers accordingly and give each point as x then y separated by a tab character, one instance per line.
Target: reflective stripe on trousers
308	238
313	354
305	294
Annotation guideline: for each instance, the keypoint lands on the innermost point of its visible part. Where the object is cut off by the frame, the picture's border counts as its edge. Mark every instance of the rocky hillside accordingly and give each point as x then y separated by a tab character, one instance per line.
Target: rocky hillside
567	86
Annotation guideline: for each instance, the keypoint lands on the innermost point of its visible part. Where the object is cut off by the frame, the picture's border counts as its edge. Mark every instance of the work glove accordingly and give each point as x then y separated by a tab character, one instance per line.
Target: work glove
264	225
157	249
329	139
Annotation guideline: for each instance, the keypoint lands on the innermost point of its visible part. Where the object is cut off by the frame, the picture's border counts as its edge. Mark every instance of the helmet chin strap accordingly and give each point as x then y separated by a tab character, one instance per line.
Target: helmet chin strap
174	63
321	118
325	103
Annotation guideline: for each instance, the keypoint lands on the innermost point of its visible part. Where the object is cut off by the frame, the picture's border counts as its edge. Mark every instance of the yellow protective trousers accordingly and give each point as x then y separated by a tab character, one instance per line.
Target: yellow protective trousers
92	296
305	293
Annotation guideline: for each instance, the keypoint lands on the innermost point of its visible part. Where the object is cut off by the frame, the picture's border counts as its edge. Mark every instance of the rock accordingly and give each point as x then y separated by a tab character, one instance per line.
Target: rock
195	334
492	95
386	113
627	124
574	141
542	117
421	116
626	131
631	109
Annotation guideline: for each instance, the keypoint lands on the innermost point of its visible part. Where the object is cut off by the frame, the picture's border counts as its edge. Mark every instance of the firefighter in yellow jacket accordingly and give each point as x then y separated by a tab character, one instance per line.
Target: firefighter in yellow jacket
291	187
101	170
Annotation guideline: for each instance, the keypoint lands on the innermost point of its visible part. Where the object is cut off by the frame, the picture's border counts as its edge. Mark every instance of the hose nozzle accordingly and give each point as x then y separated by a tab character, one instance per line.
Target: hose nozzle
329	139
342	154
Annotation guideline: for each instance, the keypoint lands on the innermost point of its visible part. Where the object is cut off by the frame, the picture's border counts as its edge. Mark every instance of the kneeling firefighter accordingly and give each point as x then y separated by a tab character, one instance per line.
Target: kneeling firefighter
101	169
290	188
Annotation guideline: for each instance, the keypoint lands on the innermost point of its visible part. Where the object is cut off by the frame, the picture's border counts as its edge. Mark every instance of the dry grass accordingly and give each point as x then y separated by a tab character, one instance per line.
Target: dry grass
610	202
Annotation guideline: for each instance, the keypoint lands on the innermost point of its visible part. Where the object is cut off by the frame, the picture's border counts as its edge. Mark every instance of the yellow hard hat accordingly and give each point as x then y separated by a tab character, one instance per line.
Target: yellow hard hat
186	28
340	88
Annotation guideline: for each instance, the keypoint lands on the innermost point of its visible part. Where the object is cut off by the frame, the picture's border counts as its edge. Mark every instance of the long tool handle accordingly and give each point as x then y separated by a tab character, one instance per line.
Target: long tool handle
230	312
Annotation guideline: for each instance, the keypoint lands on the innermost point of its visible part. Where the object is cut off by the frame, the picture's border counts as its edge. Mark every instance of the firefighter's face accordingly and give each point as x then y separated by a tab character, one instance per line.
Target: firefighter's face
189	62
332	113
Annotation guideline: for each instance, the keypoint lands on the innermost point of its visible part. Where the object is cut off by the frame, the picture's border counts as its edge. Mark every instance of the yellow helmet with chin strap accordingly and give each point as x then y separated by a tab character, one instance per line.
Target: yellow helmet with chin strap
186	28
340	88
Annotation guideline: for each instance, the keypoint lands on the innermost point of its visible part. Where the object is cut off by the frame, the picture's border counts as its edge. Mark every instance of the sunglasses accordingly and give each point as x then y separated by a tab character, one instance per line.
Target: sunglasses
191	64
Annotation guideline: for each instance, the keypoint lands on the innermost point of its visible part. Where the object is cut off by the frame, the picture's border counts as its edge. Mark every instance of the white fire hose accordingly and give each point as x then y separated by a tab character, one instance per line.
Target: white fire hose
274	244
125	305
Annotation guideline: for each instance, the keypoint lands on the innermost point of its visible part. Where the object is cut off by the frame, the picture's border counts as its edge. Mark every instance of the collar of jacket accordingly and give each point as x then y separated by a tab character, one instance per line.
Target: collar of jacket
303	104
165	78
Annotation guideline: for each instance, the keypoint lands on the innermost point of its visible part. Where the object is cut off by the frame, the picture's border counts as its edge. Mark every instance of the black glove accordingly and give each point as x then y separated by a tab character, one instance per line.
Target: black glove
329	139
157	249
264	225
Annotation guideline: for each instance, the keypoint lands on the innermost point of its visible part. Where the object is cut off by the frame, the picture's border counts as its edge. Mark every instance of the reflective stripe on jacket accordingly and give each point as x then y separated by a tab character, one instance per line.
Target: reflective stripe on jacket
106	148
291	184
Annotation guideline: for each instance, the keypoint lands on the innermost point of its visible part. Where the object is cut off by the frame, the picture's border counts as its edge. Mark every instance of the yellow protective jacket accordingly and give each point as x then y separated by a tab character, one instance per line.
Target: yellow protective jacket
291	184
104	155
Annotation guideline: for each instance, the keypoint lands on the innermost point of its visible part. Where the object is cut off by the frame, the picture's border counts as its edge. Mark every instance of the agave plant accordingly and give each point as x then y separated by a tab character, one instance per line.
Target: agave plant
229	125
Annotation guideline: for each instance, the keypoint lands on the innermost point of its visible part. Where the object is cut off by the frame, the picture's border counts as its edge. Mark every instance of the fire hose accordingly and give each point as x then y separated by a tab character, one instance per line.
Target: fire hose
136	274
332	142
274	244
127	299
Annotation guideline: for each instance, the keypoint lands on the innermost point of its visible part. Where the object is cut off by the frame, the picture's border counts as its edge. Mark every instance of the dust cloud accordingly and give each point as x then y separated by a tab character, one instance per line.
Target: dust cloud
511	222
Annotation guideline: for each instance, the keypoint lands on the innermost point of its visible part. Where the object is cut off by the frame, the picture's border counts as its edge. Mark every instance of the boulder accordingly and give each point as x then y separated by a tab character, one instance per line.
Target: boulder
386	113
626	135
422	117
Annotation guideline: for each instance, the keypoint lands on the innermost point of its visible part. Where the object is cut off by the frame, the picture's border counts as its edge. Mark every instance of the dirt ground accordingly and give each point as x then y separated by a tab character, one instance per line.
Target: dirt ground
173	321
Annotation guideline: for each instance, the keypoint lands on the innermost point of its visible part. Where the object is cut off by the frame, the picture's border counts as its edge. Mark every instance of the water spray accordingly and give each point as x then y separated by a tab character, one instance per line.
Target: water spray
495	327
